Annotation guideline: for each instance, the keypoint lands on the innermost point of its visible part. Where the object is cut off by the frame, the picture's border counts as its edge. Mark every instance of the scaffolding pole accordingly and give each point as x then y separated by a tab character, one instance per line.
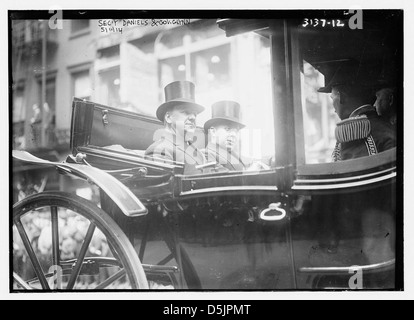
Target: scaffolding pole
43	98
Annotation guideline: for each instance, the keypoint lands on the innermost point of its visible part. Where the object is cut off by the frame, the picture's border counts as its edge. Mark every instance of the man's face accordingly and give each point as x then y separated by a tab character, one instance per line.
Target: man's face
384	101
226	135
182	120
339	102
336	101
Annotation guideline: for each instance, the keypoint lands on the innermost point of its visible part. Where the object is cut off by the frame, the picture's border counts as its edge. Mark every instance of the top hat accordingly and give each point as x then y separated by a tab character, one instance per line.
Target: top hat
225	111
346	72
178	93
388	78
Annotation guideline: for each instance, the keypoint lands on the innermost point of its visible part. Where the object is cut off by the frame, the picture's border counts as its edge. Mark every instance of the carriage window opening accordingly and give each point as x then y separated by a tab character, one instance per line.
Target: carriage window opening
338	128
341	72
223	68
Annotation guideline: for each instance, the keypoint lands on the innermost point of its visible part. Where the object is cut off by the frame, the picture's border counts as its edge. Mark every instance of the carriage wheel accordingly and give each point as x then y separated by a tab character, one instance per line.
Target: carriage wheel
78	246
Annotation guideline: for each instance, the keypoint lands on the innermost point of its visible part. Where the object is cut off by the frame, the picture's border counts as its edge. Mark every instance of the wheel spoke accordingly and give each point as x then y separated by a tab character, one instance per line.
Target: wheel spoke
142	249
144	242
32	255
166	259
55	236
124	253
82	253
21	282
111	279
111	248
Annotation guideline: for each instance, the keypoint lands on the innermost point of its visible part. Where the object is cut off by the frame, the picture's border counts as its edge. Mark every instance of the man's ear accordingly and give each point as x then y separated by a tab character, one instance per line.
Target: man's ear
391	99
167	118
212	133
342	97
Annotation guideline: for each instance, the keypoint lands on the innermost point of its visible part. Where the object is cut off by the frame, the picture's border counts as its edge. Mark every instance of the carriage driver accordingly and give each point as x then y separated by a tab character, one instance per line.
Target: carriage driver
175	141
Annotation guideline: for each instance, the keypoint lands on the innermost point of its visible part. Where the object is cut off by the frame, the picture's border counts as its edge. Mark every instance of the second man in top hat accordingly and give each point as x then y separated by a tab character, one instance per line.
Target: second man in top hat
223	132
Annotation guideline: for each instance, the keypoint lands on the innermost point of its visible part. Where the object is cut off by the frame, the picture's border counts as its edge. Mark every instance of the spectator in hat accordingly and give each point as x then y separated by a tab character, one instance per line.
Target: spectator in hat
175	141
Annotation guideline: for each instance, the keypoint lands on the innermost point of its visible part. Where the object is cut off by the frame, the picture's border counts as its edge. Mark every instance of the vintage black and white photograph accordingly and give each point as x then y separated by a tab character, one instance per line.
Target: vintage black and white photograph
216	150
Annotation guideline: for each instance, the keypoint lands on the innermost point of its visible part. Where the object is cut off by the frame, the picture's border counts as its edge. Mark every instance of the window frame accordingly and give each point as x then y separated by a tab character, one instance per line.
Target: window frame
86	67
80	32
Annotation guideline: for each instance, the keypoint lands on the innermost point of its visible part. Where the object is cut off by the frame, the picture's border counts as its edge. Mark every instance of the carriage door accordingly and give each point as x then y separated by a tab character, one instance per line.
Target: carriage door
344	218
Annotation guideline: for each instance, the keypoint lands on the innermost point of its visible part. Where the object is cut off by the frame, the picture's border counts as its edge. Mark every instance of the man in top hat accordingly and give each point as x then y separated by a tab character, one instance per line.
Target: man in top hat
223	132
174	141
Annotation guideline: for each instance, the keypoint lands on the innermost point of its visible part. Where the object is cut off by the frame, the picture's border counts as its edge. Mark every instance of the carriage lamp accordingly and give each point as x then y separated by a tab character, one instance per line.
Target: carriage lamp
80	157
105	120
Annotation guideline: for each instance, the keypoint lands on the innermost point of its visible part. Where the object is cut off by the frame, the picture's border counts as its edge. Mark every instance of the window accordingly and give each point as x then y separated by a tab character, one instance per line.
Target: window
211	67
19	110
108	55
108	87
78	26
82	85
138	81
108	83
173	69
48	114
50	98
19	114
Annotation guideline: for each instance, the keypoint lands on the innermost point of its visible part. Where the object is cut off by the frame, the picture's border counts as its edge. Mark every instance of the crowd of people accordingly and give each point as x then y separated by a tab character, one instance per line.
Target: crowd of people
72	231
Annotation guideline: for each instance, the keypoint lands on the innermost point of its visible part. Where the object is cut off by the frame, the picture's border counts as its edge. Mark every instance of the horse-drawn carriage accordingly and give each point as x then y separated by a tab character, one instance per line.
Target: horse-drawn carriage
225	230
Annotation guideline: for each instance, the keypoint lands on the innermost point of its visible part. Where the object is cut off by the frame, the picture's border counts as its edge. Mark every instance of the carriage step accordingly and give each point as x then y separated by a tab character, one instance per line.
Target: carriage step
335	270
157	268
